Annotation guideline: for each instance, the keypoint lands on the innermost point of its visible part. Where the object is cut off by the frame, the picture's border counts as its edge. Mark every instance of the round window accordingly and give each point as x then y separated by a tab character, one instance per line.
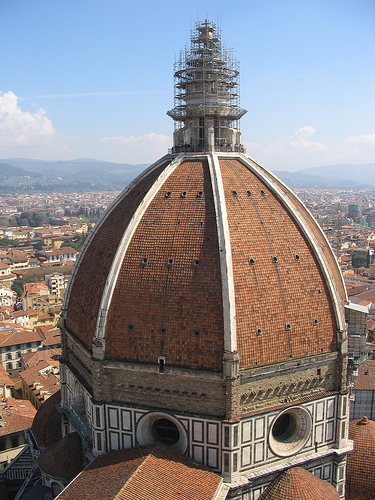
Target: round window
162	428
290	431
165	431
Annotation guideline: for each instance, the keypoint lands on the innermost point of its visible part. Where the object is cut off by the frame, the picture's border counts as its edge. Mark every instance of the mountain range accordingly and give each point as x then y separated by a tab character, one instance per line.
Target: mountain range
85	174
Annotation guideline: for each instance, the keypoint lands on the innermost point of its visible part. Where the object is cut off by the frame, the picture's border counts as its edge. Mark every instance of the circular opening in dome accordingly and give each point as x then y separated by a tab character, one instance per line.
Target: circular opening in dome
168	194
196	262
170	261
262	192
234	192
284	427
165	431
248	193
274	259
199	194
316	321
297	257
251	261
183	194
259	331
290	431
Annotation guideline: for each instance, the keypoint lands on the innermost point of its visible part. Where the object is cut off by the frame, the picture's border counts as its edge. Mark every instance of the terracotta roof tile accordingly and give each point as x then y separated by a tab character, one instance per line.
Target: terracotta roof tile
365	381
46	426
64	459
298	483
147	473
360	483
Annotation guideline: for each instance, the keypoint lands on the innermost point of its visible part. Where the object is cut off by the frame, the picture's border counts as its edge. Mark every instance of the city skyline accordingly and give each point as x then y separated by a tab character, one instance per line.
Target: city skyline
81	80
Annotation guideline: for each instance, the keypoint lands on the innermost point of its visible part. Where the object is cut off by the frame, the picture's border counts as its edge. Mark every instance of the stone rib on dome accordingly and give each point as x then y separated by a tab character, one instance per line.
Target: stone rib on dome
205	254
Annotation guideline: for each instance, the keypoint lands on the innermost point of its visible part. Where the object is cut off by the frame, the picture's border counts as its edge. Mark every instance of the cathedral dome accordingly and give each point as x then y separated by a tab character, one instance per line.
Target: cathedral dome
206	254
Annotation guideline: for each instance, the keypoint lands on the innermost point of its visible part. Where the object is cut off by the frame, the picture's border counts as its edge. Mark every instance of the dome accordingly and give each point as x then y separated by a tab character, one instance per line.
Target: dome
46	426
361	462
63	460
299	483
205	254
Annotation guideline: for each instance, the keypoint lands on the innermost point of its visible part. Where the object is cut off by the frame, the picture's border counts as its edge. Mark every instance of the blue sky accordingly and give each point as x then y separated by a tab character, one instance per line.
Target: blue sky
94	79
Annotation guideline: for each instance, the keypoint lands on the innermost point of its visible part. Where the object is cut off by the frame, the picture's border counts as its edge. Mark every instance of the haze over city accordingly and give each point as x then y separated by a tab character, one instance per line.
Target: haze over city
87	79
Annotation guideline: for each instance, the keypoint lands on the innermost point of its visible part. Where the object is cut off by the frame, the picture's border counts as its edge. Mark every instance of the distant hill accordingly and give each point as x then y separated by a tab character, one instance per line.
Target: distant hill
19	175
363	173
67	176
302	180
7	171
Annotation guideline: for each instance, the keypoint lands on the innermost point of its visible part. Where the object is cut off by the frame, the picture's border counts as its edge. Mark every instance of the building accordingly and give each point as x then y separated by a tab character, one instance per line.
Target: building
15	417
363	392
14	342
206	308
60	255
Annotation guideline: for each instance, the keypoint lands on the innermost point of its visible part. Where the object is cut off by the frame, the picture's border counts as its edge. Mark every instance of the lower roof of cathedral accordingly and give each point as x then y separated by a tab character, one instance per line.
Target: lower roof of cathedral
201	255
145	473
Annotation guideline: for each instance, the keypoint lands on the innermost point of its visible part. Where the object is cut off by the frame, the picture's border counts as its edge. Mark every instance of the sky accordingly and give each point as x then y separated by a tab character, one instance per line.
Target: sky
94	79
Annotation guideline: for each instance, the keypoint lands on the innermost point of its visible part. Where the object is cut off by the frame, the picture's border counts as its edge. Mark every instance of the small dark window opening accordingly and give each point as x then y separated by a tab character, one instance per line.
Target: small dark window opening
288	327
274	259
130	328
297	257
316	321
196	262
248	193
168	194
165	431
99	441
163	329
251	261
234	193
319	372
199	194
144	260
97	411
259	331
196	333
161	361
262	192
183	194
170	261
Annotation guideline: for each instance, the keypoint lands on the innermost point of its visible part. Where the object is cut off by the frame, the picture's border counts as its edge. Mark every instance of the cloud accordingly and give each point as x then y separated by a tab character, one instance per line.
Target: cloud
21	128
300	140
135	149
300	151
362	139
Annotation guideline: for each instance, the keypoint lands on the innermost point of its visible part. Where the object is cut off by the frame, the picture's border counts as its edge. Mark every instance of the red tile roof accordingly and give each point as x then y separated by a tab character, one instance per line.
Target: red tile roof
15	416
299	484
283	307
64	459
366	376
360	483
147	473
46	426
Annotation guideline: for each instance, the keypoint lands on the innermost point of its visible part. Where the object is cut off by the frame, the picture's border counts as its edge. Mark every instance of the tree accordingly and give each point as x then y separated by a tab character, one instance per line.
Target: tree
358	260
16	287
6	242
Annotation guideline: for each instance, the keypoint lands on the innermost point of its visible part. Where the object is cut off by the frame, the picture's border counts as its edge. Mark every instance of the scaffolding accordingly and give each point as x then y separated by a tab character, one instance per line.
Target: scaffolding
207	108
